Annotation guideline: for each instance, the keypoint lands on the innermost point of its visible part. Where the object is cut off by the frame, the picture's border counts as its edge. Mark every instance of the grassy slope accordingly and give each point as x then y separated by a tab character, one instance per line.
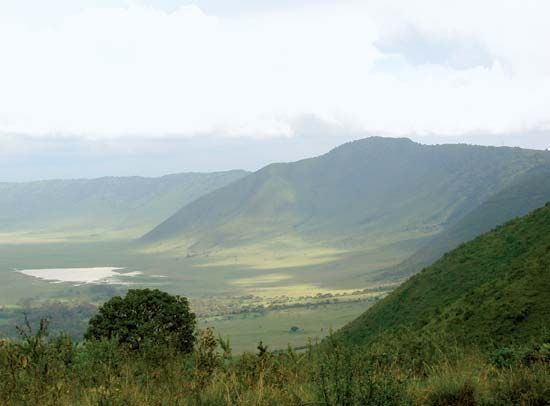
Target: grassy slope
529	192
494	288
117	204
367	193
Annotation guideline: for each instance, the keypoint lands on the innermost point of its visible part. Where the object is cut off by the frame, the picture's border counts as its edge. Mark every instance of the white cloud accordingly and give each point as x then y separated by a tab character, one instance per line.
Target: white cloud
458	67
424	48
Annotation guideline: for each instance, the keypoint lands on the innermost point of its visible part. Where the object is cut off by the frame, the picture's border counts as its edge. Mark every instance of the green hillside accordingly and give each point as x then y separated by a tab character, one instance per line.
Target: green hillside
126	204
374	195
529	192
492	289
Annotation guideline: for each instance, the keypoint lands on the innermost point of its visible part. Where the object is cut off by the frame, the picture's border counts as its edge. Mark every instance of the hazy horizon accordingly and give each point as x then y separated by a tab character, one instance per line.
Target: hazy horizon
208	85
47	159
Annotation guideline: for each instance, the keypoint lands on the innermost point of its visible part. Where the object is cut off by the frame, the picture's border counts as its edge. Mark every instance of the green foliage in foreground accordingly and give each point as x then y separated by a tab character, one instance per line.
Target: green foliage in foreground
492	290
404	370
145	317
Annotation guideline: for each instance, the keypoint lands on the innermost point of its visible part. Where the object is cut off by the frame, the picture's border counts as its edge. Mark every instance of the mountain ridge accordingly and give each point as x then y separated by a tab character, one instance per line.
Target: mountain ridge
493	289
529	192
364	187
109	202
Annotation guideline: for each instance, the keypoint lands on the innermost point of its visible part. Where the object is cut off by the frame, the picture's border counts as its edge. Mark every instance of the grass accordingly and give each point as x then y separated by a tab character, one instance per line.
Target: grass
459	333
307	268
491	289
35	370
199	277
243	321
529	192
194	278
274	327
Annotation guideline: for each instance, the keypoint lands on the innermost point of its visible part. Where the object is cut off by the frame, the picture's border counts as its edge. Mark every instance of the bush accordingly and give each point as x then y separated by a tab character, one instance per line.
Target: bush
347	375
34	367
503	357
461	395
526	386
145	317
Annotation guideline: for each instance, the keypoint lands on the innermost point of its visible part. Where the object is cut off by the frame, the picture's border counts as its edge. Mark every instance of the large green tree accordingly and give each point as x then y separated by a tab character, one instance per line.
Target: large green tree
145	316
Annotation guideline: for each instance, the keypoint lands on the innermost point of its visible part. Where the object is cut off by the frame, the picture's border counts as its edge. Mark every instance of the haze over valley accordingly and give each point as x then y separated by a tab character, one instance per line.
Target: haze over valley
339	230
274	202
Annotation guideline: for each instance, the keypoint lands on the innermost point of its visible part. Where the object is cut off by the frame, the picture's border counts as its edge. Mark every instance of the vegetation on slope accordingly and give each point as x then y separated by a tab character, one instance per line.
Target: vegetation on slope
529	192
376	191
408	370
493	289
130	203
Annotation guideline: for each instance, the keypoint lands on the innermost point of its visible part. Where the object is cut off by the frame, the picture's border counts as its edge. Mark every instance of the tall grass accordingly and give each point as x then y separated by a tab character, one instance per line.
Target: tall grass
405	370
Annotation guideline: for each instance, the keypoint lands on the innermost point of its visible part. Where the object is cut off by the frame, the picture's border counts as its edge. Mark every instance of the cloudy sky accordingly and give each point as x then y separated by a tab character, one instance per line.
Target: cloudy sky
90	88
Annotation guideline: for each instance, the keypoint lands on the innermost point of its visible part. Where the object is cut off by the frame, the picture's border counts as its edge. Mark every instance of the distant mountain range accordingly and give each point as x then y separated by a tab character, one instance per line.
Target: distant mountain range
124	205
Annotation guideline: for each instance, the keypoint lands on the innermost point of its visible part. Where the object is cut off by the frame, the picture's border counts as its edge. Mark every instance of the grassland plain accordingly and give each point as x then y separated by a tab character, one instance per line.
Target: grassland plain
190	276
275	328
184	276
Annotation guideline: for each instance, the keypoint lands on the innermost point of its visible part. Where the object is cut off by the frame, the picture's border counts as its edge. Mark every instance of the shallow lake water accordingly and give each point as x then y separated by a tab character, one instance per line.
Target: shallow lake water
110	275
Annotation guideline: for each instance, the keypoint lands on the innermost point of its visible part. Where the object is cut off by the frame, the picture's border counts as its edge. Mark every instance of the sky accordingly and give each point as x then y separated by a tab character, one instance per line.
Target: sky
144	87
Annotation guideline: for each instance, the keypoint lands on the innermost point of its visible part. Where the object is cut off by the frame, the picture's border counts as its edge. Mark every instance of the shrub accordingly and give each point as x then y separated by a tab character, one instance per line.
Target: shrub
526	386
33	368
347	375
503	357
461	395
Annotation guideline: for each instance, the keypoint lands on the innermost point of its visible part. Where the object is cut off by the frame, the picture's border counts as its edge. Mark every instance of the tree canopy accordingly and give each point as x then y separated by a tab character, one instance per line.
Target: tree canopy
145	316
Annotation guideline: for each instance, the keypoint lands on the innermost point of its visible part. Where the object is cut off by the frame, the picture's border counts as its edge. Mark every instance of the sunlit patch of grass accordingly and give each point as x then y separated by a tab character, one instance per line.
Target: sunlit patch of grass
261	280
262	257
68	236
280	252
295	290
168	248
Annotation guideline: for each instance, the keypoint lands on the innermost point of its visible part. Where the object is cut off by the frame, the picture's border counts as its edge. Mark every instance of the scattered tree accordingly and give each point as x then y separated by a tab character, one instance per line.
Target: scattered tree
145	316
294	329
